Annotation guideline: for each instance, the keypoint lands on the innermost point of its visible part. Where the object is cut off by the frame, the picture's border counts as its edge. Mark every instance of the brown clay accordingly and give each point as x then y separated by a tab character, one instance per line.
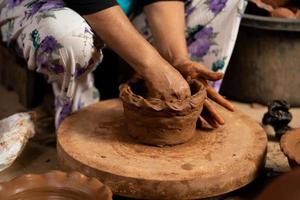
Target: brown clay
290	145
54	185
279	8
298	14
285	187
262	5
283	13
277	3
161	122
95	142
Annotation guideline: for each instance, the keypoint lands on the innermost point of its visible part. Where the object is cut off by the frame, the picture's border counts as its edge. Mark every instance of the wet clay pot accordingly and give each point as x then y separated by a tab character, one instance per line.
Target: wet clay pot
290	145
157	122
54	185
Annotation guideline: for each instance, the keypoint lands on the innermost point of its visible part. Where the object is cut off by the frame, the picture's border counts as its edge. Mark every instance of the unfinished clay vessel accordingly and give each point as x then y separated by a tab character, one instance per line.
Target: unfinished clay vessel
157	122
54	185
290	145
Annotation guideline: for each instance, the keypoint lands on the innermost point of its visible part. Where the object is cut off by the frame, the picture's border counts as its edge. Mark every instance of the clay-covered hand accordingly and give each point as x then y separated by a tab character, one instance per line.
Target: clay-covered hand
164	83
167	83
119	34
193	70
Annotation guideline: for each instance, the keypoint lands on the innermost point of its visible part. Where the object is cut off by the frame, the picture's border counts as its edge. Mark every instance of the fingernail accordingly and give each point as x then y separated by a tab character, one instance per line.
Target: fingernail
222	122
232	108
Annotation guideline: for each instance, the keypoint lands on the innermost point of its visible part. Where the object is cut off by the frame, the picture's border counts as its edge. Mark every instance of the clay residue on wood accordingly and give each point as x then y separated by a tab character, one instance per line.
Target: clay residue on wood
161	122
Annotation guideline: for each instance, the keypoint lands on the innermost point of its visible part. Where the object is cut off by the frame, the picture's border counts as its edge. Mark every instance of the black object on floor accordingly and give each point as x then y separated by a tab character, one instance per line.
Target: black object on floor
278	116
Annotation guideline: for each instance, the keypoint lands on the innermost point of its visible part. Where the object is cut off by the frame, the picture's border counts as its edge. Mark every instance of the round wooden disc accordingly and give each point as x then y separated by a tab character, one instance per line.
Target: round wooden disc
95	141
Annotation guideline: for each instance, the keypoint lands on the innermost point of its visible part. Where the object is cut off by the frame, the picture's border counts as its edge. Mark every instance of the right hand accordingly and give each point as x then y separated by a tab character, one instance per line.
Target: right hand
167	83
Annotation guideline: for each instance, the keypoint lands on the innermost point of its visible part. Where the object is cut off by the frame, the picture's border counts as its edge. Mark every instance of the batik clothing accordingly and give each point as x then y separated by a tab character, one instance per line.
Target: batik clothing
57	41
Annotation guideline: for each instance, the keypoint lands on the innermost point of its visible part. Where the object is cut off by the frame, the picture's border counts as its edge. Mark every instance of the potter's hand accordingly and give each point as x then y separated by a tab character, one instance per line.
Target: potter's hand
194	70
119	34
164	16
167	83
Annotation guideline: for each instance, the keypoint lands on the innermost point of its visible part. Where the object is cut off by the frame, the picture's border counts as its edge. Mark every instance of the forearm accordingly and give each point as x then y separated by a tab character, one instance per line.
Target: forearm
117	32
167	23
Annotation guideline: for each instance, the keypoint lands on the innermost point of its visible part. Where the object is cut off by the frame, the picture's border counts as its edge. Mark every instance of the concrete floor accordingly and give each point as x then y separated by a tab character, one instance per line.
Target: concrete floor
40	154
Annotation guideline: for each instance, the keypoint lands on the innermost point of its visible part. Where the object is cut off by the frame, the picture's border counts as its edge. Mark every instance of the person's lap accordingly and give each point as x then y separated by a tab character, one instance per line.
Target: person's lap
55	41
58	42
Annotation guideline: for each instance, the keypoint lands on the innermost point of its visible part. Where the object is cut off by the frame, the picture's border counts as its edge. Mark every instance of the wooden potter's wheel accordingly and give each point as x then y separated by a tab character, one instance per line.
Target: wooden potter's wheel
94	141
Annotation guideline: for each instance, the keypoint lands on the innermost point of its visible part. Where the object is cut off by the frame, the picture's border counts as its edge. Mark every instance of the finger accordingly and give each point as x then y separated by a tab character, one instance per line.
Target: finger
213	112
207	74
215	96
208	118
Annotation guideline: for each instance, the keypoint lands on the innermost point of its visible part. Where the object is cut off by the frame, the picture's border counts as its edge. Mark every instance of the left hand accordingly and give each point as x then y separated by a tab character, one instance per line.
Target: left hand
193	70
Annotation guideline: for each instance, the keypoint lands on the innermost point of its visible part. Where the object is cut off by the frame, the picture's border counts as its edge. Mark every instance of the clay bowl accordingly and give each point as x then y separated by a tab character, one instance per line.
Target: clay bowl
290	145
54	185
156	122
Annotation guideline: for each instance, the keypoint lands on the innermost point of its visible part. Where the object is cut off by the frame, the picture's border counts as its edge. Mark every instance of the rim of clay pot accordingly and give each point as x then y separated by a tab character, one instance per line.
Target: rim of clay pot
270	23
289	144
72	181
197	97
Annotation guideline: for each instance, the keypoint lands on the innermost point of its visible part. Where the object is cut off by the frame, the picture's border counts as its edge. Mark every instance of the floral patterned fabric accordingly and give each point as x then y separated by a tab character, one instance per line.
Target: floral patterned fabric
211	31
56	41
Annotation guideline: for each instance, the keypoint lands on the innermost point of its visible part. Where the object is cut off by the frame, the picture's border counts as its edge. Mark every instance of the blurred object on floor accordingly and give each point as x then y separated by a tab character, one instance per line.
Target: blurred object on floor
290	145
39	155
35	158
278	116
285	187
55	185
15	131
